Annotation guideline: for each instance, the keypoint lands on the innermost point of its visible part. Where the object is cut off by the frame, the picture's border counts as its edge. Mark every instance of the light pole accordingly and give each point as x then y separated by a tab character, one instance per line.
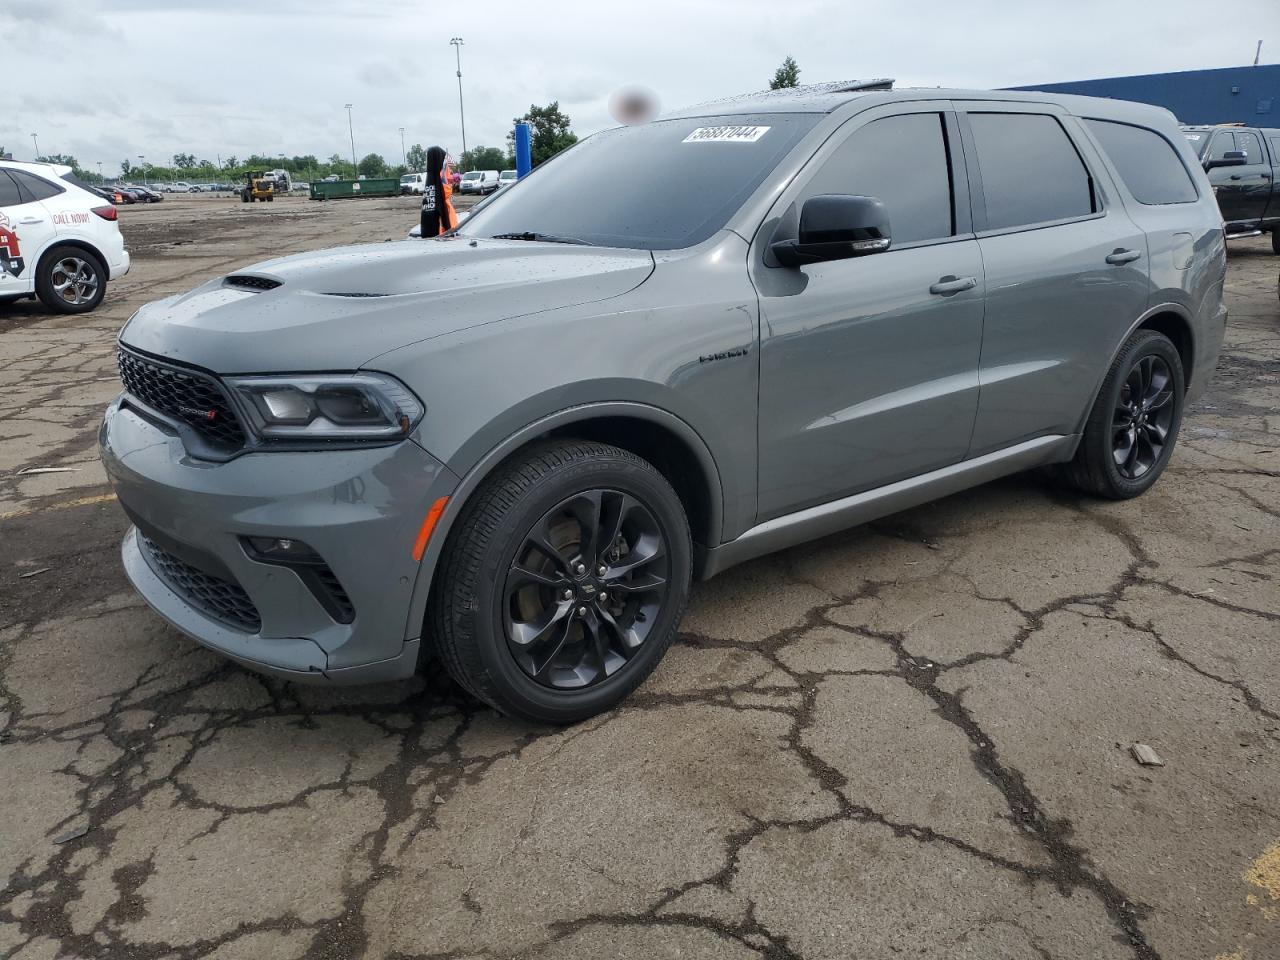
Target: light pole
462	115
355	170
144	169
37	142
404	157
100	176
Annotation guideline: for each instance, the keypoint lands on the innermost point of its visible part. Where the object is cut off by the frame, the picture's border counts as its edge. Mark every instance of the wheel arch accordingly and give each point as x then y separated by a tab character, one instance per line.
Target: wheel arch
668	442
86	246
1170	319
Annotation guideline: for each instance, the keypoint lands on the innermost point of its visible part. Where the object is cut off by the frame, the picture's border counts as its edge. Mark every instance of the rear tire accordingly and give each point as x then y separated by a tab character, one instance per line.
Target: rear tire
538	632
1131	431
1275	241
70	280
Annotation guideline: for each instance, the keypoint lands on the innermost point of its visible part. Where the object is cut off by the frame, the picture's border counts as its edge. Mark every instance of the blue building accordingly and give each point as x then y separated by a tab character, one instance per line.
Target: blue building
1249	95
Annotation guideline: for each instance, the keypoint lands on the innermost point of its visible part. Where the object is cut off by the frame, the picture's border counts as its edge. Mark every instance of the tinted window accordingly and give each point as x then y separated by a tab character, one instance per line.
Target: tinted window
902	161
1031	172
8	191
1198	140
35	187
654	186
1221	144
1252	147
75	181
1148	164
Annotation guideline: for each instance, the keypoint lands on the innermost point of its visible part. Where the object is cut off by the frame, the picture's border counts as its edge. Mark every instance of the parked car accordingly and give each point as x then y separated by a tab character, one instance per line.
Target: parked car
479	181
125	195
1243	164
106	193
59	240
506	178
413	183
331	178
515	446
180	186
146	194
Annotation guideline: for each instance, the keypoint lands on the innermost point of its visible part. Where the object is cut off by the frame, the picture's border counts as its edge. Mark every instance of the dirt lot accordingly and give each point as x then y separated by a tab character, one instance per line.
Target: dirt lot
907	740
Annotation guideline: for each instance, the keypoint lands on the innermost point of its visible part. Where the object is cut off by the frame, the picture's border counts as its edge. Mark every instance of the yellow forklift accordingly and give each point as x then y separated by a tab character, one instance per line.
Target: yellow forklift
258	186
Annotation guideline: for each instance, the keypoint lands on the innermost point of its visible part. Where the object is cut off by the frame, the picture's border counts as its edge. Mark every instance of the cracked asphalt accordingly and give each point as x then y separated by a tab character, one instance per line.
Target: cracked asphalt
910	739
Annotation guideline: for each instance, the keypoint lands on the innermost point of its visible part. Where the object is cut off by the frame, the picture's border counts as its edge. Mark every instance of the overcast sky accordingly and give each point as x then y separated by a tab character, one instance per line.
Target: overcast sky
106	79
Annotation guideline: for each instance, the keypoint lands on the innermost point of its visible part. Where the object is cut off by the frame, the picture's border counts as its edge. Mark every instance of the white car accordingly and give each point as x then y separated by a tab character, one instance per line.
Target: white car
180	187
413	183
58	241
479	181
506	178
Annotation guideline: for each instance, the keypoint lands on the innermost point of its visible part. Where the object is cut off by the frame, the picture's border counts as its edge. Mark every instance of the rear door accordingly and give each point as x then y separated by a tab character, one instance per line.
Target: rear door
1066	270
26	230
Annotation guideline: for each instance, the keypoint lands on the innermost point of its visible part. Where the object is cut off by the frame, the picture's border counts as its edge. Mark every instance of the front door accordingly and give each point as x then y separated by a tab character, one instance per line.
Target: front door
1242	191
869	366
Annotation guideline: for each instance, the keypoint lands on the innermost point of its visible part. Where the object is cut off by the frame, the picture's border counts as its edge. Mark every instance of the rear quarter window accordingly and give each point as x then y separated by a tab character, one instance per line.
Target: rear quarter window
37	188
1148	164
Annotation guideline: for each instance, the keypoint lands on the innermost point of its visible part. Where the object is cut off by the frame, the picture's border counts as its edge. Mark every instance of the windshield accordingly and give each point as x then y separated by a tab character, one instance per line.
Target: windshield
409	178
473	175
657	186
1198	140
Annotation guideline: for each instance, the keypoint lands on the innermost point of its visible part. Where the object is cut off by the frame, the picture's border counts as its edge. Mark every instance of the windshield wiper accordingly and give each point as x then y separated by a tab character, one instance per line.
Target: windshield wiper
540	238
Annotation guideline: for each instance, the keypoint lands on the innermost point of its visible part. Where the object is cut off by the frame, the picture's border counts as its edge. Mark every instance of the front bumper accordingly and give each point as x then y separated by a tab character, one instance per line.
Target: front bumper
359	509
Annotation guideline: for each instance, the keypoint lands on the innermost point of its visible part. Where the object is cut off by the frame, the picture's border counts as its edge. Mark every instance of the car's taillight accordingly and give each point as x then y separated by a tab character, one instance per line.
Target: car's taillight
106	213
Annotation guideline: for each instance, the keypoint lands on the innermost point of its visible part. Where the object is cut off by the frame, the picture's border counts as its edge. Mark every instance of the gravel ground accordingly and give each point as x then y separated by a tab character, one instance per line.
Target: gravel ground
910	739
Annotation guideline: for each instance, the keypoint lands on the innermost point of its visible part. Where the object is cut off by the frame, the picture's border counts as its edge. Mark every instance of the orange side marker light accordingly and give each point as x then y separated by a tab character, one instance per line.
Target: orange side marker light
429	524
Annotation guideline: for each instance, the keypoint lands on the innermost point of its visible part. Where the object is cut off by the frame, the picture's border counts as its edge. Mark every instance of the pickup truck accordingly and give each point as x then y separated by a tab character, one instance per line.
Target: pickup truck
1242	163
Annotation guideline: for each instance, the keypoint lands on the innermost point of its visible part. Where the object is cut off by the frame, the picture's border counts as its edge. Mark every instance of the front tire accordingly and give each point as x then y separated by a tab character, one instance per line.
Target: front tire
1131	431
563	582
70	280
1275	241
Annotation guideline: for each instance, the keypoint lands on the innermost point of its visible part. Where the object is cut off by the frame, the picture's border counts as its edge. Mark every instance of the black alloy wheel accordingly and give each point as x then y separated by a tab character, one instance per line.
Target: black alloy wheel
1143	415
585	589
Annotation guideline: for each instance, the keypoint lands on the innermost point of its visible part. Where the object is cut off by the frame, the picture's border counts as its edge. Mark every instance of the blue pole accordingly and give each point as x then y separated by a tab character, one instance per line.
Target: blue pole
524	150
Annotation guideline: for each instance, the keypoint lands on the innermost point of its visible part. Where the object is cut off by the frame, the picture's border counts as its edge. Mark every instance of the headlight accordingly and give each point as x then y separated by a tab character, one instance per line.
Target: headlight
334	406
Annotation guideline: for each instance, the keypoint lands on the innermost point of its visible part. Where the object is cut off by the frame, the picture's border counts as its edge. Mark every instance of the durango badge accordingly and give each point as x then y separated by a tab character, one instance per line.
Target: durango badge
197	412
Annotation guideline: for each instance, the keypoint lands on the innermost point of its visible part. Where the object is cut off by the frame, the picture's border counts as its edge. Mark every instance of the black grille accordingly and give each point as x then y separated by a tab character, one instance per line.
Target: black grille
251	282
221	599
191	397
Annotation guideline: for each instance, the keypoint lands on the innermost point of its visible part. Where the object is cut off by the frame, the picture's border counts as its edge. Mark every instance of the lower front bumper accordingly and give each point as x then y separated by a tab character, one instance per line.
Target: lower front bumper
358	509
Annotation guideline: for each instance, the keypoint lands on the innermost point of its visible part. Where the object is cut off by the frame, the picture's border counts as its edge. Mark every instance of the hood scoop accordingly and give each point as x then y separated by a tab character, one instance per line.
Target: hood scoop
247	281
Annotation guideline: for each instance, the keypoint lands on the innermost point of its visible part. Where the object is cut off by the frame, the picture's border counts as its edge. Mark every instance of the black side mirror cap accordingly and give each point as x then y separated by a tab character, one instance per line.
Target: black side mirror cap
1231	158
836	227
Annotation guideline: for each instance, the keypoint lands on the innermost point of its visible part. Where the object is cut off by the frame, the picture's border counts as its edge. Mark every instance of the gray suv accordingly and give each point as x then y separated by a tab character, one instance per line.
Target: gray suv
510	449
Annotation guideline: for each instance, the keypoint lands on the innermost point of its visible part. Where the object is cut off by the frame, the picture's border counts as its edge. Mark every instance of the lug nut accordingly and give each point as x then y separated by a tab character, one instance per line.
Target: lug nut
601	570
567	595
580	568
582	611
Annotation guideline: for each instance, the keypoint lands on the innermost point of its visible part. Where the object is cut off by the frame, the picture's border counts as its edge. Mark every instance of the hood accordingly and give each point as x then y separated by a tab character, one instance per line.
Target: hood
335	309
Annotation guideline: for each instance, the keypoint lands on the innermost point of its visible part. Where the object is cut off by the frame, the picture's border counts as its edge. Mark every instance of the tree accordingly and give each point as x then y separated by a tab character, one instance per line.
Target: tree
230	163
787	75
550	129
184	161
416	158
373	166
484	158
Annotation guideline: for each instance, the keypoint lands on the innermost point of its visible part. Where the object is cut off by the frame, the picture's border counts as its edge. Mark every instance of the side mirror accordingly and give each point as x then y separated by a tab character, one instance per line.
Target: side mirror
1231	158
836	227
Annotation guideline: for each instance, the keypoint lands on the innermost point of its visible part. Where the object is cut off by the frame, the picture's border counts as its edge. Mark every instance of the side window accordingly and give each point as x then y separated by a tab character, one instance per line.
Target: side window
1220	145
1031	172
1249	143
1275	149
8	191
35	187
1148	164
902	161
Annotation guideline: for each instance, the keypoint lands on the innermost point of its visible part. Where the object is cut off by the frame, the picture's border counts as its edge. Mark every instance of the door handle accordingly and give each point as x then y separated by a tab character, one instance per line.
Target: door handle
31	220
1236	176
1123	256
953	284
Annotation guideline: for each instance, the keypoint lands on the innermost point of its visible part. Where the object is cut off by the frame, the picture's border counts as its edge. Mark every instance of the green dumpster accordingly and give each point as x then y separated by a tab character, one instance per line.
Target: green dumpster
342	189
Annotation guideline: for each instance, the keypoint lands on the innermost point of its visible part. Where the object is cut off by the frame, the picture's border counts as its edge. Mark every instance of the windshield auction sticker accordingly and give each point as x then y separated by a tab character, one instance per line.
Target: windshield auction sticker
726	135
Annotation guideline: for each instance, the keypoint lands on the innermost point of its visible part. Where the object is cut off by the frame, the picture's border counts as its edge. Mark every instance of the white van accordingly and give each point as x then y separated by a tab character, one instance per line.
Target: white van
479	181
413	183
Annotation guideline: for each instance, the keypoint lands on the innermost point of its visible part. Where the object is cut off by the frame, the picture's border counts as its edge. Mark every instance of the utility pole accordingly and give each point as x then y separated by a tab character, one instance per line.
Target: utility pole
144	169
100	177
37	142
355	169
457	49
404	157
